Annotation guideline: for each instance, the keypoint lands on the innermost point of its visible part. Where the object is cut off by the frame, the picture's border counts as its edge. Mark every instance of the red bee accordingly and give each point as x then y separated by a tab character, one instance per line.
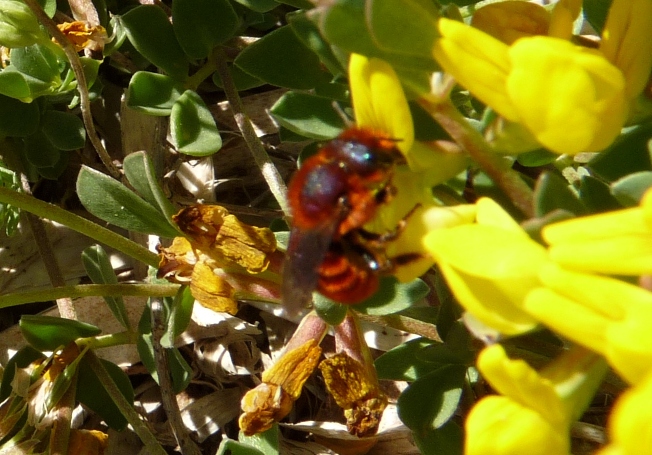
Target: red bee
332	196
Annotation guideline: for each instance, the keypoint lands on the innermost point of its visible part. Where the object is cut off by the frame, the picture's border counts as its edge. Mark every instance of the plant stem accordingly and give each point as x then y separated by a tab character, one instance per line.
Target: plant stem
126	409
79	224
168	397
495	166
267	168
65	305
88	290
107	341
82	87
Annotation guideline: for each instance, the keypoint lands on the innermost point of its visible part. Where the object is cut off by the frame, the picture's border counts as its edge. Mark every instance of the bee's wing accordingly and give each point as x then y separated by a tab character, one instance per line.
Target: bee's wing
305	253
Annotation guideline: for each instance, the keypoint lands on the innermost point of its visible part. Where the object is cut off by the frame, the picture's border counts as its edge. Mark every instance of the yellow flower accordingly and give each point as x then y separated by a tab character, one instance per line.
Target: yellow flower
572	99
218	258
618	243
380	105
629	422
490	266
536	409
606	315
281	385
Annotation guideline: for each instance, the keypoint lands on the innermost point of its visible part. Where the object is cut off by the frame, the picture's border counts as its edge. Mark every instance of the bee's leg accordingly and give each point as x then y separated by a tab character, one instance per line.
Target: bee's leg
388	236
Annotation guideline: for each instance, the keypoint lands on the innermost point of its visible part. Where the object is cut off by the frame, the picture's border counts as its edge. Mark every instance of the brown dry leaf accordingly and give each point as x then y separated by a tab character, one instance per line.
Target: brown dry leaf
83	36
212	291
87	442
356	392
225	239
272	400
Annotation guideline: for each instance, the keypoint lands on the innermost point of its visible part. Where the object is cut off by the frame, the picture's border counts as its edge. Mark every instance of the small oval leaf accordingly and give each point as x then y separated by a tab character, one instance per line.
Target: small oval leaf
192	126
152	93
150	31
280	58
111	201
47	333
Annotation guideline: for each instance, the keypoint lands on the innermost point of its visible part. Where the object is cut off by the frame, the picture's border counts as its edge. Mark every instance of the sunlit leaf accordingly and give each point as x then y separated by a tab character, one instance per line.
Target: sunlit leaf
192	126
150	31
99	269
47	333
111	201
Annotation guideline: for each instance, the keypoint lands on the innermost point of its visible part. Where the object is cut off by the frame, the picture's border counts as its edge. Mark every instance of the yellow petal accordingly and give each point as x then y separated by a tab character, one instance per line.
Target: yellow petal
521	383
490	213
626	42
479	62
563	15
596	227
625	255
571	98
568	318
629	423
354	391
378	100
508	21
498	426
488	303
212	291
487	251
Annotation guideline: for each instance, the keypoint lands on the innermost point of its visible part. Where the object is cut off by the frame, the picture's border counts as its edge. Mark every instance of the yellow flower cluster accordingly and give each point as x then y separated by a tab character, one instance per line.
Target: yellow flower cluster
570	98
511	284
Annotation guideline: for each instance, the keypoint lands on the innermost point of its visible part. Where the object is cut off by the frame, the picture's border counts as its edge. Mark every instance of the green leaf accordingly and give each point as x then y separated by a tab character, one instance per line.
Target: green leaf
448	439
179	369
310	35
99	269
552	192
536	158
267	442
47	333
393	297
404	362
259	6
231	447
344	24
299	4
62	383
629	190
628	154
54	172
149	30
18	119
193	127
180	313
280	58
443	387
39	67
403	26
139	170
20	359
90	67
13	84
596	195
308	115
92	393
112	202
153	94
331	312
241	79
64	130
595	12
40	152
200	25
